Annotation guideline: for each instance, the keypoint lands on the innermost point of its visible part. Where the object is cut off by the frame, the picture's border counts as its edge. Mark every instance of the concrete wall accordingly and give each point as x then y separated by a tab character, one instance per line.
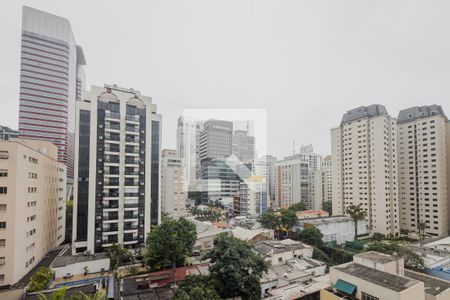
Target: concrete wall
94	266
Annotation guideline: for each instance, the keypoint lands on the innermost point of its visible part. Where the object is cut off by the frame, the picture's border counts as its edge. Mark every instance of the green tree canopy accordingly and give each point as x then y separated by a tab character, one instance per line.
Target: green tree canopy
269	220
288	218
300	206
118	255
197	287
327	206
171	241
311	236
236	268
40	279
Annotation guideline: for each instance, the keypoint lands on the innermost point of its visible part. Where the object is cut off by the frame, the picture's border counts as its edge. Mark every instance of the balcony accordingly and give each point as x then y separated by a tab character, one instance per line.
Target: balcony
131	161
132	130
111	194
130	227
131	194
111	182
112	115
131	205
112	127
131	173
130	118
127	216
111	205
112	160
112	138
110	240
109	148
127	238
111	229
131	140
111	217
131	183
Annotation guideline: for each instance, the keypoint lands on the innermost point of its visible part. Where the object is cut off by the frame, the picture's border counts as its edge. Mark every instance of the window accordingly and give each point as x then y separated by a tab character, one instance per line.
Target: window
2	225
4	155
2	242
2	207
3	190
2	260
365	296
3	173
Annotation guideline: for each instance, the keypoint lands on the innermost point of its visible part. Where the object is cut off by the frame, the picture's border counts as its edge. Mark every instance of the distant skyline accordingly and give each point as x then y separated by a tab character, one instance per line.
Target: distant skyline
305	62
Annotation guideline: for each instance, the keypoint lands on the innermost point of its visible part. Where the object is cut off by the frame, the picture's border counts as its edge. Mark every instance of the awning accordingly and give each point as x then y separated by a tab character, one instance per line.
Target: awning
345	287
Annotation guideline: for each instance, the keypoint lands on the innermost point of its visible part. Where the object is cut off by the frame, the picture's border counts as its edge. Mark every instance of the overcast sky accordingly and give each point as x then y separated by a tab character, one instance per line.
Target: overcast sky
306	62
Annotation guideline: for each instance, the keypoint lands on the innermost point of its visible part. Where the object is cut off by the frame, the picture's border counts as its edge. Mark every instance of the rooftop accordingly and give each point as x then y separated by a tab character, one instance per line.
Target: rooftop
433	285
327	220
61	261
364	112
384	279
419	112
265	247
376	257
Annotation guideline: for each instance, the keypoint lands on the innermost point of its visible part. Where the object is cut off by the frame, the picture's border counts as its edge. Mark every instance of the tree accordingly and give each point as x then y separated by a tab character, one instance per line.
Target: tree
412	260
171	241
269	220
197	287
327	206
356	213
311	236
118	255
40	279
236	268
300	206
59	294
288	218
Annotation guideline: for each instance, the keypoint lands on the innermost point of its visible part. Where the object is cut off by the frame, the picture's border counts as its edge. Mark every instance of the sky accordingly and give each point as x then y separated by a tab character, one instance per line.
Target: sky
304	62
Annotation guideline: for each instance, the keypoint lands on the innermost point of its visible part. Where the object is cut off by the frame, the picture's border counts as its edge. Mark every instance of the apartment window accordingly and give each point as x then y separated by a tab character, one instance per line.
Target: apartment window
3	190
2	225
2	242
2	277
4	155
2	260
2	207
3	173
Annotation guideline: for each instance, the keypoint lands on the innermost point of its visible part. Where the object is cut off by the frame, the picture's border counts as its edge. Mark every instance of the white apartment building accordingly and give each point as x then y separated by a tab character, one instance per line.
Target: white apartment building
32	205
321	181
188	149
253	196
424	179
173	196
117	160
291	182
313	159
364	167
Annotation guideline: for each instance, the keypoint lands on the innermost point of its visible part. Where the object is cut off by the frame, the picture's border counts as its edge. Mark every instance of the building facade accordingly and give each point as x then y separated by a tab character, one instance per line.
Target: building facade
116	194
51	78
253	199
188	150
292	181
7	133
32	205
173	195
243	146
216	139
364	167
424	179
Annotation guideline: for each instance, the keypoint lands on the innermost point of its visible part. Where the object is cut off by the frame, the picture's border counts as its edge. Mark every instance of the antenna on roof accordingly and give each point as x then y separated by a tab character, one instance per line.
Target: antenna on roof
293	149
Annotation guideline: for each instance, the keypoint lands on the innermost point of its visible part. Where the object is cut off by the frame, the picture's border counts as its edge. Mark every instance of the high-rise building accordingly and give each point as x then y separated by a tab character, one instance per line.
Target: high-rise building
291	182
7	133
173	195
32	205
313	159
364	167
321	184
51	79
253	199
243	146
117	159
188	150
424	178
216	139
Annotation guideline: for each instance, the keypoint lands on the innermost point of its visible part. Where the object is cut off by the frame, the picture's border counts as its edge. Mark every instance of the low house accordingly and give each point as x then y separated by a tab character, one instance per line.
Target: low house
374	275
71	265
313	213
206	233
278	252
335	229
252	235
